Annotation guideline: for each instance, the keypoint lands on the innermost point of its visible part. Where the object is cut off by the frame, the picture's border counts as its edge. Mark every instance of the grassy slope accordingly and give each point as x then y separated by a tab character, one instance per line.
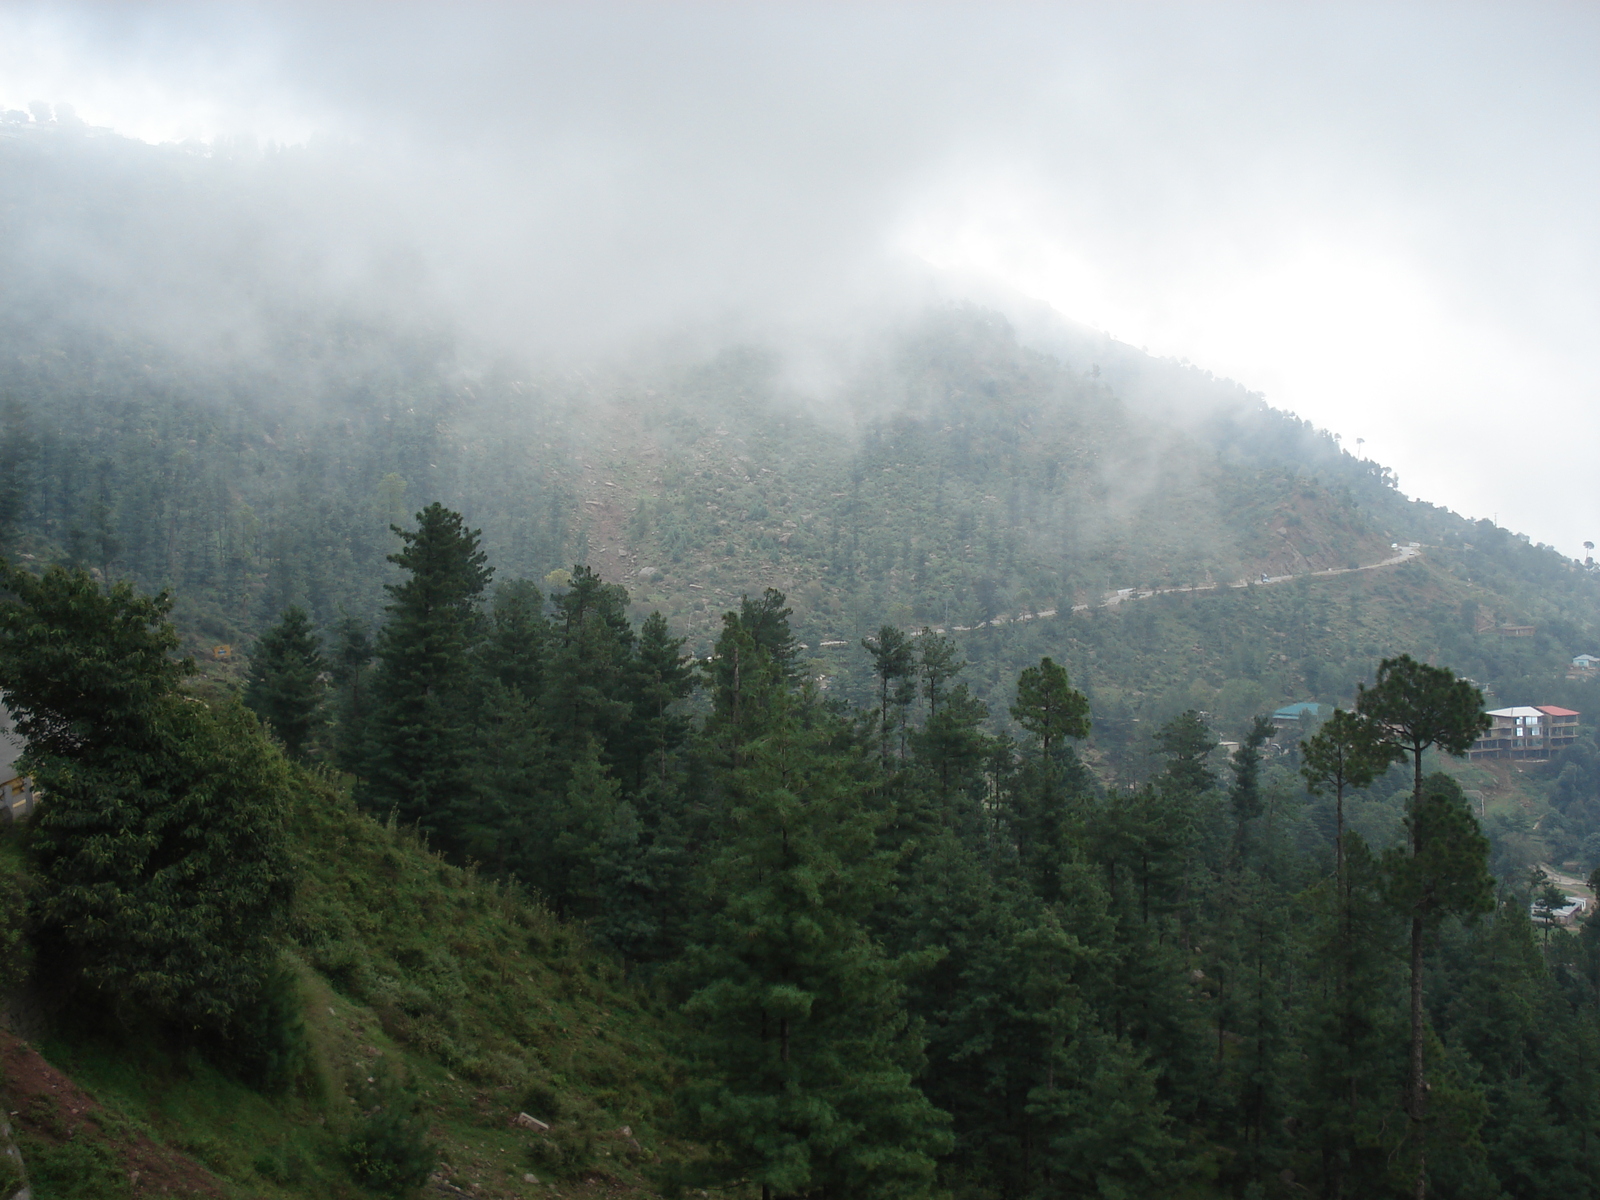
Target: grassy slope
484	1002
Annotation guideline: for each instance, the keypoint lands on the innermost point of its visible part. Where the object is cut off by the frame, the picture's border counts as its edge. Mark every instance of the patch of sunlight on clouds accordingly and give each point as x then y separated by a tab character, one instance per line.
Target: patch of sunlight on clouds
156	93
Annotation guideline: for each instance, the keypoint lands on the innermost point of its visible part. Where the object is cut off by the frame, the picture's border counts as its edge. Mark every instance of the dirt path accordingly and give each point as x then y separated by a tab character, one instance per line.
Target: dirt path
1570	883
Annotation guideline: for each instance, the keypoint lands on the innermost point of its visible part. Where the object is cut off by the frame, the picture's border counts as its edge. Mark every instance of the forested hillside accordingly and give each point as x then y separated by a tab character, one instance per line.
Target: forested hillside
712	693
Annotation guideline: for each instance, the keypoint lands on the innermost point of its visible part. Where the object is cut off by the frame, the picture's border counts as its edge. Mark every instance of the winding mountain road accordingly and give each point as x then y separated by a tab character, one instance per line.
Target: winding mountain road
1402	554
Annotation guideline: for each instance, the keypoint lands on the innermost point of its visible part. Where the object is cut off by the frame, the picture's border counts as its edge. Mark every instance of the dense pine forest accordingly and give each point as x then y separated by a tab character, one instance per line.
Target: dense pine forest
468	776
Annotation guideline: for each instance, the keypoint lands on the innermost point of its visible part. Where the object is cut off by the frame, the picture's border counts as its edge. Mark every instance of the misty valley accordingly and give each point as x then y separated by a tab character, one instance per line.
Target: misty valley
1003	765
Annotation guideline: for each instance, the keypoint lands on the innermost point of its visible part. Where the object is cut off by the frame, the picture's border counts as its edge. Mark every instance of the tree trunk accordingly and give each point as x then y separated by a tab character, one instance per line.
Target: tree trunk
1419	1083
1419	1095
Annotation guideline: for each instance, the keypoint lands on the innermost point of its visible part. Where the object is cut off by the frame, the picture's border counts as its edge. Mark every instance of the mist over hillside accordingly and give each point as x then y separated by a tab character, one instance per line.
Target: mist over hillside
526	678
208	415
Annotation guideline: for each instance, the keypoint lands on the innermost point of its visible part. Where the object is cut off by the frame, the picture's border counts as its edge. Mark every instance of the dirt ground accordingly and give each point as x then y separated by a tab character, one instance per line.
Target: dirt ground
42	1102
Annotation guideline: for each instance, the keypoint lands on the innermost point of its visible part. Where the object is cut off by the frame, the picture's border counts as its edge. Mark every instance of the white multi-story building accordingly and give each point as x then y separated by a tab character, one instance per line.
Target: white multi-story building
1527	731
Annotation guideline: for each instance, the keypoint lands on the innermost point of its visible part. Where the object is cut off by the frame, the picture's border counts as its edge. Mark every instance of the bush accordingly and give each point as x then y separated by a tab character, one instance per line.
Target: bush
266	1044
280	1165
76	1170
388	1151
16	955
10	1174
566	1151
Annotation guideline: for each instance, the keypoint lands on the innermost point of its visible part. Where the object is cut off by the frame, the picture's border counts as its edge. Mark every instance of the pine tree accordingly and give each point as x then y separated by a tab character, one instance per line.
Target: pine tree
587	679
348	670
1186	741
802	1045
1349	751
1419	706
285	685
1353	1033
1245	794
1049	707
418	759
1049	783
664	675
894	663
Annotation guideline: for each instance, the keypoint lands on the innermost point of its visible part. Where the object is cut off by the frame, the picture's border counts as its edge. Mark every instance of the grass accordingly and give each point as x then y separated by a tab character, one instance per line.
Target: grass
458	994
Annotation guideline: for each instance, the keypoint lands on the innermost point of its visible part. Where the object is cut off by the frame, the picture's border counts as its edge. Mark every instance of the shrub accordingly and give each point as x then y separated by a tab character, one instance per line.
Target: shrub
387	1150
15	951
267	1044
80	1169
566	1151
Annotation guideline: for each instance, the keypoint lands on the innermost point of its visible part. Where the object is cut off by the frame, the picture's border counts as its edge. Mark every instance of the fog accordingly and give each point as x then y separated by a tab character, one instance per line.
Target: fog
1384	218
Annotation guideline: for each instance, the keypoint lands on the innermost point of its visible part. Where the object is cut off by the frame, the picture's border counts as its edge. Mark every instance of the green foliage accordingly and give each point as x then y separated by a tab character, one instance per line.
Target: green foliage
566	1150
75	1169
1347	751
802	1052
1048	707
285	685
267	1043
159	848
83	669
16	950
1246	763
894	663
1445	872
1186	741
1418	706
387	1148
1126	1002
419	736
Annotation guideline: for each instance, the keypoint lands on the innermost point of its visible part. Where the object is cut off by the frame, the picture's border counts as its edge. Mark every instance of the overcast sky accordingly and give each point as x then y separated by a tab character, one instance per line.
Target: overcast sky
1385	218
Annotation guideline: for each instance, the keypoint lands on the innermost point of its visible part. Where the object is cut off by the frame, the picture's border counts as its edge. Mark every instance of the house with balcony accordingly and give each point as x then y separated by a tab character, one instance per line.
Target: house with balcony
1531	732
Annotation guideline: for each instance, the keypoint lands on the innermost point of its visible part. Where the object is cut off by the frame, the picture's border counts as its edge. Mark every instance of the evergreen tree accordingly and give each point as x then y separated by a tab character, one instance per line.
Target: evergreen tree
664	676
1245	794
1186	741
1349	751
348	670
802	1045
587	695
894	663
766	619
1351	1023
160	841
1419	706
418	759
1049	707
1353	1033
19	450
285	686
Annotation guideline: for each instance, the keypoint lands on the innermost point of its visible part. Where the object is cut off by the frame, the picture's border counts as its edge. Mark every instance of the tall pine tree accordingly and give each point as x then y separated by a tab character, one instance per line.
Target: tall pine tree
418	760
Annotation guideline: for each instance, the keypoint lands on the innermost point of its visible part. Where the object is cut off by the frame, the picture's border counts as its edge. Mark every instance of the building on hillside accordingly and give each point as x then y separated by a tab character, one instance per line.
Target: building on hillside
17	797
1518	630
1583	666
1293	714
1527	732
1566	914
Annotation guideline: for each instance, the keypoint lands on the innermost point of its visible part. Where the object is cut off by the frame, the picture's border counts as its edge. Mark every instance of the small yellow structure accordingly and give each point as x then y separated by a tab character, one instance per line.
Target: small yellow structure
17	798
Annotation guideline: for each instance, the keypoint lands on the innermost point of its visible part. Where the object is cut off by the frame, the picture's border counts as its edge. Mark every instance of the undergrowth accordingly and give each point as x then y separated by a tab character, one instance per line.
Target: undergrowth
416	1010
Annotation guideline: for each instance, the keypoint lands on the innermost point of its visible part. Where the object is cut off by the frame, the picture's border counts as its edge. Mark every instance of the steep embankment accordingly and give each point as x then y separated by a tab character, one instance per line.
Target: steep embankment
414	979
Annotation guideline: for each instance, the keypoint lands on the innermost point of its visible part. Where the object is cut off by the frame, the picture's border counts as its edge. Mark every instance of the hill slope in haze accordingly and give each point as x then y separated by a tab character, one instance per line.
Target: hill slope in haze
189	410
